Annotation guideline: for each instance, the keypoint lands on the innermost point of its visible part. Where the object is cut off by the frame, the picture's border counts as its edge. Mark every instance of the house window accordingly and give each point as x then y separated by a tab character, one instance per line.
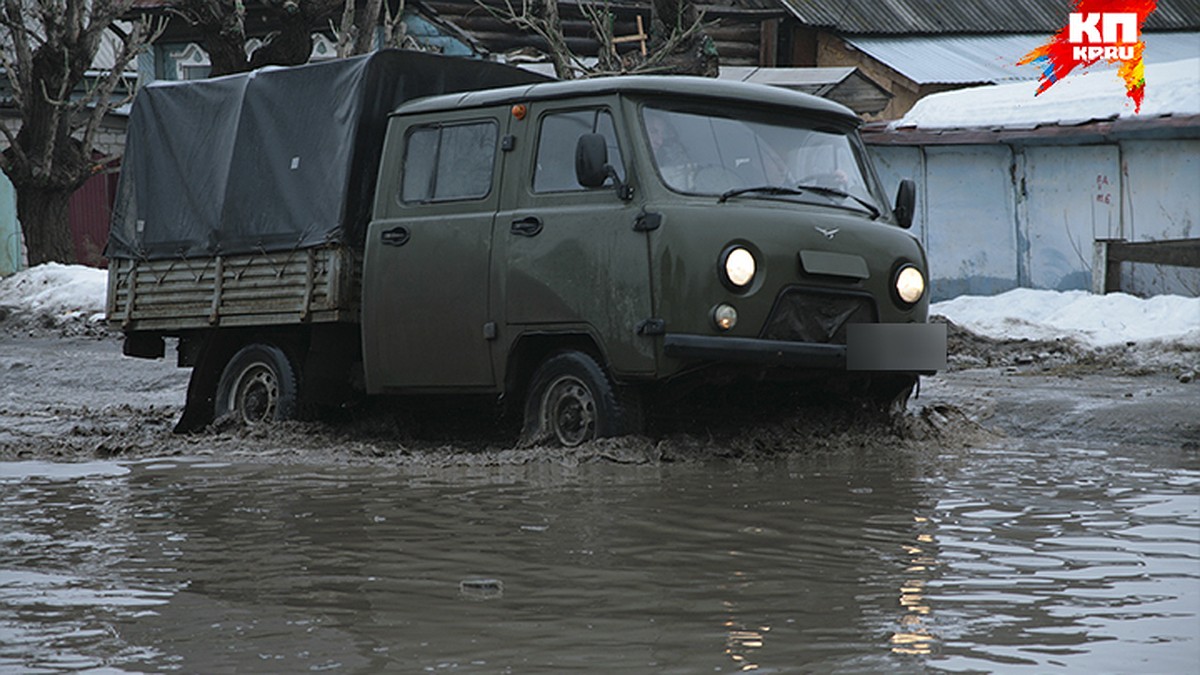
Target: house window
452	162
193	72
192	63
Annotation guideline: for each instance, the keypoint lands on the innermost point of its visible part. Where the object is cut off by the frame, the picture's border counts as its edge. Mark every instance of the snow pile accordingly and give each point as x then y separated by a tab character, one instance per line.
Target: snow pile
66	298
1171	89
1093	320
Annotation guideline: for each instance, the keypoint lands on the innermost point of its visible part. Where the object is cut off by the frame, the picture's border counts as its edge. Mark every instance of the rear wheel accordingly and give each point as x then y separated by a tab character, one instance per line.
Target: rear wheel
572	400
258	385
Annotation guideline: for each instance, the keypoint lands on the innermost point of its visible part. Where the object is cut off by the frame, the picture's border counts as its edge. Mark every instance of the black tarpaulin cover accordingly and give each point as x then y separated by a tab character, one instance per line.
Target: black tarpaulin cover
271	160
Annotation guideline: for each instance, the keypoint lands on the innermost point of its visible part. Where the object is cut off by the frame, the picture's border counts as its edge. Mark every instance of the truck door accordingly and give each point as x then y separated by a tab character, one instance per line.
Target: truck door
425	281
571	259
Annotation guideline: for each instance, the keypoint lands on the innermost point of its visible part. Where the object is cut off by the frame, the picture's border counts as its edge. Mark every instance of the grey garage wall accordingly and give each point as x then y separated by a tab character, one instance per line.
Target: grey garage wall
997	216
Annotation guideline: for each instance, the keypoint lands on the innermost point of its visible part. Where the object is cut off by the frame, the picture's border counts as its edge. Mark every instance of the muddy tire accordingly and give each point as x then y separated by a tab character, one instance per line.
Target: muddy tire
572	400
258	386
891	394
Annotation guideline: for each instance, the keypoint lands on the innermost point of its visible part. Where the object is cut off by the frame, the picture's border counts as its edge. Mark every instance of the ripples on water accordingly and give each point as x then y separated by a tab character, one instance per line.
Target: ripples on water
1037	558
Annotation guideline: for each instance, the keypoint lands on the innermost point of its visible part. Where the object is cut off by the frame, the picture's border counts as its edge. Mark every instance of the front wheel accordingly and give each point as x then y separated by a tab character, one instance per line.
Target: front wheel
890	394
572	400
258	385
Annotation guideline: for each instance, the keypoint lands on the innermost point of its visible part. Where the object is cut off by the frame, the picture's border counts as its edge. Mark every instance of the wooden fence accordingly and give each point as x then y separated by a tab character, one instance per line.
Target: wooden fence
1110	253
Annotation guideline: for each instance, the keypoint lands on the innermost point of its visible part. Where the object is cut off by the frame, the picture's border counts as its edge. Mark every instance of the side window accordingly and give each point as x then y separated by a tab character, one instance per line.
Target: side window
555	170
444	163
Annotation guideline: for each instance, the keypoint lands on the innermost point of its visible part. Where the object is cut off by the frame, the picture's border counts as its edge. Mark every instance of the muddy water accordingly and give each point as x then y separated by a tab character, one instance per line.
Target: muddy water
1028	556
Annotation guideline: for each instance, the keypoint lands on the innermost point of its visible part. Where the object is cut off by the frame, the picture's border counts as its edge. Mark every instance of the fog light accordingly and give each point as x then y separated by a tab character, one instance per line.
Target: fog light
910	284
724	316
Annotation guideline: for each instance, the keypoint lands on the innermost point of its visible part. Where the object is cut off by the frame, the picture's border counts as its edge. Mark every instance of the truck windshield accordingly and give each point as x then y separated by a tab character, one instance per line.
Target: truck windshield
704	154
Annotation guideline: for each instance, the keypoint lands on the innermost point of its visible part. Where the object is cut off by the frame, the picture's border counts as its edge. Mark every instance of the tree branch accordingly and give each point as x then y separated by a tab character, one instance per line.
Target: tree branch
20	73
602	28
395	32
43	164
677	38
345	32
134	43
16	149
677	27
545	25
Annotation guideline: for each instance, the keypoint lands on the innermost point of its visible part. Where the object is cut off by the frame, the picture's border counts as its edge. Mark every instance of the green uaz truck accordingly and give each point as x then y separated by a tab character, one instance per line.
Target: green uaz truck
404	223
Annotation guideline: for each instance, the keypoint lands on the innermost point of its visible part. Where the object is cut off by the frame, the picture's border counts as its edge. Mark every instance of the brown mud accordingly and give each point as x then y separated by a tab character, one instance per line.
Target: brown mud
67	394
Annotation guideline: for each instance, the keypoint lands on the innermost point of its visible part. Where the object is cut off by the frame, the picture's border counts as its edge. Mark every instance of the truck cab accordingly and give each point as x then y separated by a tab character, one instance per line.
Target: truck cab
578	248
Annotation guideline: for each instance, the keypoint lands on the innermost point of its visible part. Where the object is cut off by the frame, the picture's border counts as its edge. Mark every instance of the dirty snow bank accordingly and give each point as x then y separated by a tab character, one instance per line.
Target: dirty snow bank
1050	330
61	299
1093	320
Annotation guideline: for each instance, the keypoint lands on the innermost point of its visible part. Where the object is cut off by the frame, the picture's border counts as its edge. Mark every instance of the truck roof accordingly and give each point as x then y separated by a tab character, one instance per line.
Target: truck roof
664	86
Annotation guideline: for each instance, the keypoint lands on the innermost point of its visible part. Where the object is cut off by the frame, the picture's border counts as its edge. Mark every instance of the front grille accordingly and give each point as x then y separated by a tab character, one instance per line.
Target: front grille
805	315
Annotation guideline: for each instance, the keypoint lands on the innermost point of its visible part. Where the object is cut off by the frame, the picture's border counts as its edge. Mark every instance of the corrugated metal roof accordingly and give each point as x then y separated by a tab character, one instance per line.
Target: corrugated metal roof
962	59
908	17
792	78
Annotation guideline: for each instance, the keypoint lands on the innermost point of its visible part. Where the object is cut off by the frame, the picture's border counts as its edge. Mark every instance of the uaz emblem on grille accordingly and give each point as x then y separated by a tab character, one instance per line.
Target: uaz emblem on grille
828	233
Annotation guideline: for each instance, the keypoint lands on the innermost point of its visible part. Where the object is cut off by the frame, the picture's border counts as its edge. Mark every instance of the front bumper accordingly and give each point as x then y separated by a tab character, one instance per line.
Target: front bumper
908	347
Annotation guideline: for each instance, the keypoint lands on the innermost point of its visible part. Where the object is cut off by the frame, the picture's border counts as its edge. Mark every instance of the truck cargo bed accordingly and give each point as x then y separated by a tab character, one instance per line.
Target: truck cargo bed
314	285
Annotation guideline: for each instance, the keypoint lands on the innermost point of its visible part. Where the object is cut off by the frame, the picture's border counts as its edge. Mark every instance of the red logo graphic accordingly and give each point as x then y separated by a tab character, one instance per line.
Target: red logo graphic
1108	30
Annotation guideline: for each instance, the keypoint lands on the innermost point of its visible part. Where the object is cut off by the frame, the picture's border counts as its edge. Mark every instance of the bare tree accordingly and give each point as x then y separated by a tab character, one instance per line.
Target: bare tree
47	48
357	31
222	26
395	32
364	20
678	41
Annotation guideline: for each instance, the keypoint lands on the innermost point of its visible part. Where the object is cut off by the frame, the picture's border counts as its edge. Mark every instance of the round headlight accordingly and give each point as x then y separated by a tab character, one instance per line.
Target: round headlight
910	284
740	267
724	316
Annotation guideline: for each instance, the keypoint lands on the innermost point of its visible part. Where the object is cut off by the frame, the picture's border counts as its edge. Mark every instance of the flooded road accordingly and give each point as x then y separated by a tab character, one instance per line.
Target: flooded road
1029	555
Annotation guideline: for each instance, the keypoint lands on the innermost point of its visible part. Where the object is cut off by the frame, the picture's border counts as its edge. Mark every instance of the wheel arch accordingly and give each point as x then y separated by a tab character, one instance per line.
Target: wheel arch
208	351
529	350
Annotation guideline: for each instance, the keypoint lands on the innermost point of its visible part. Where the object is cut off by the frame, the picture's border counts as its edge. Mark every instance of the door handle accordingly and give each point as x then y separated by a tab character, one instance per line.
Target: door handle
397	236
527	227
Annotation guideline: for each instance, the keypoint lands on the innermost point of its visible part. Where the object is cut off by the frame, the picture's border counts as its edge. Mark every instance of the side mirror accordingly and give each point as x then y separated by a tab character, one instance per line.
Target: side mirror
591	161
906	203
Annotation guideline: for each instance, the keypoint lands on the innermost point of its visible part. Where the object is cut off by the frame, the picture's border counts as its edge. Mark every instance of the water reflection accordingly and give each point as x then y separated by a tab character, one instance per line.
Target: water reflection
993	558
915	635
63	597
742	643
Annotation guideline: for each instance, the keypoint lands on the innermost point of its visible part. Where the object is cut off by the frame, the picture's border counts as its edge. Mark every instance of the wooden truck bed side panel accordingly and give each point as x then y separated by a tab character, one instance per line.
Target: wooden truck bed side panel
315	285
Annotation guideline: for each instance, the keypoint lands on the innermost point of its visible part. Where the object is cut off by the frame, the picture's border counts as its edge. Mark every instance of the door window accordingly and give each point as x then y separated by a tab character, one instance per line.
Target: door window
555	170
446	163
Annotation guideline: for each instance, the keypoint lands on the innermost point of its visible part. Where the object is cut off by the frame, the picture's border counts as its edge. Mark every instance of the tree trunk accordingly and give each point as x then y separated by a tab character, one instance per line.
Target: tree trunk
225	56
558	44
43	216
366	21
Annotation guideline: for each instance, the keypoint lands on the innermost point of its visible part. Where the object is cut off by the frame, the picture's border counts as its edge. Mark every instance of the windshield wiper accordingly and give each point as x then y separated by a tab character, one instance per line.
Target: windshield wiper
798	190
821	189
764	189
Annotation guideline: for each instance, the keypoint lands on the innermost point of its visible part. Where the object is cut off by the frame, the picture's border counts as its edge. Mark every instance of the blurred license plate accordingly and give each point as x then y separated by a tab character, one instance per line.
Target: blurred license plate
911	347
